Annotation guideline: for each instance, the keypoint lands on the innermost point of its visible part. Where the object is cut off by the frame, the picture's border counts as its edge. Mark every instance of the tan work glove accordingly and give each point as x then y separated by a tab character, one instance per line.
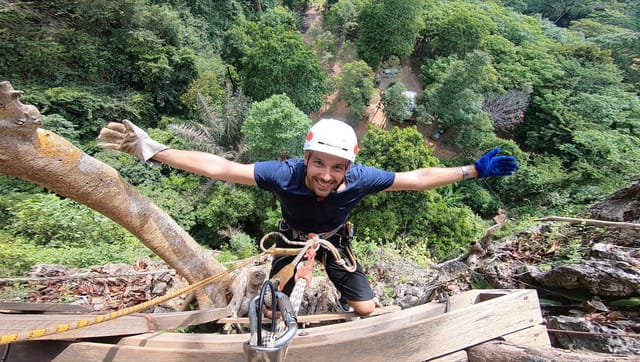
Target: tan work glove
129	138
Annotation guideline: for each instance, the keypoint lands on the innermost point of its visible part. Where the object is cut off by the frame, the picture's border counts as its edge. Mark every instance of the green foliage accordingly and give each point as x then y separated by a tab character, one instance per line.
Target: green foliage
541	182
46	219
455	100
275	129
59	125
459	28
479	199
275	60
323	43
142	57
624	47
396	103
396	150
85	63
210	86
587	119
561	12
175	195
42	228
222	206
240	246
355	84
100	254
217	133
16	257
131	169
342	18
85	111
165	73
281	16
442	230
388	27
450	230
217	15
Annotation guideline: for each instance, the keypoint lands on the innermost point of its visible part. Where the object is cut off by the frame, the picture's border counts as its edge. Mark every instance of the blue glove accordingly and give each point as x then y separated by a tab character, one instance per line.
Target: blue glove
492	165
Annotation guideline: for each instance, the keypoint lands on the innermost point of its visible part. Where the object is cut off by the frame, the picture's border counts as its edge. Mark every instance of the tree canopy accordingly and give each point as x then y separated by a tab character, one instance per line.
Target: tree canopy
555	83
388	27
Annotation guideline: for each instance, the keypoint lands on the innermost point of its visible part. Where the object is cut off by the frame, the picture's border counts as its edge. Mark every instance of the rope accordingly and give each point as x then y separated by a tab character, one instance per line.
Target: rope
303	275
315	239
36	333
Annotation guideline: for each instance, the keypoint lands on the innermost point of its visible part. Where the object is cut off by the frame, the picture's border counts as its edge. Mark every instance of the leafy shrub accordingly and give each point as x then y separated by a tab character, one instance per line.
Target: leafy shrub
88	256
450	230
88	109
410	218
59	125
16	257
479	199
46	219
222	206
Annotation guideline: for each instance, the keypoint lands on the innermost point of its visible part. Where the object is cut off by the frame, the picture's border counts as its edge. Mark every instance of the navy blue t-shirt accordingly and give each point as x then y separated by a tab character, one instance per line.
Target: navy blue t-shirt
300	207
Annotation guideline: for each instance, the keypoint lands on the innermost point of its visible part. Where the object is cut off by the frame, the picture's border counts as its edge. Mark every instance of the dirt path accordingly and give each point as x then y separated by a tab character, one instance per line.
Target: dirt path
335	108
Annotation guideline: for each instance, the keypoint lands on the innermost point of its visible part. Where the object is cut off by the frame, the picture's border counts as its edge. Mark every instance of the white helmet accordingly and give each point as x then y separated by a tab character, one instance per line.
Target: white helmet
333	137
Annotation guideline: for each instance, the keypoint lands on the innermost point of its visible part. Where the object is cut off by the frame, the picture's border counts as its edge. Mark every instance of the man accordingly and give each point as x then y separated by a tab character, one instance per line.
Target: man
316	192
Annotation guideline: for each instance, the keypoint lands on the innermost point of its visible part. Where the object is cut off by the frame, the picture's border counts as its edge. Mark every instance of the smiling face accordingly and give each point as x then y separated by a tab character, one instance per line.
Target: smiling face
325	172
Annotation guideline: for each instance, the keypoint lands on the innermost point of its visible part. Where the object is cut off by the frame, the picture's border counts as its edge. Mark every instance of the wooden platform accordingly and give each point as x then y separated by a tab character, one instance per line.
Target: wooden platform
127	325
417	334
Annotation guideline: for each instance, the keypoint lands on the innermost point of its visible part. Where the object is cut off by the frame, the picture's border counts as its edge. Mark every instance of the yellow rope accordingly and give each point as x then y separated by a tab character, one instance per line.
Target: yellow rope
27	335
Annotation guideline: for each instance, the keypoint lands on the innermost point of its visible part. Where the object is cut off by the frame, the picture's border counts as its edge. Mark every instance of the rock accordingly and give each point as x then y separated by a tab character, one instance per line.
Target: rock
599	277
596	337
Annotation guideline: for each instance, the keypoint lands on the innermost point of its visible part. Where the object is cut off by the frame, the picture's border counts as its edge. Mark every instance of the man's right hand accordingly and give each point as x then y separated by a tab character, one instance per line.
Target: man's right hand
129	138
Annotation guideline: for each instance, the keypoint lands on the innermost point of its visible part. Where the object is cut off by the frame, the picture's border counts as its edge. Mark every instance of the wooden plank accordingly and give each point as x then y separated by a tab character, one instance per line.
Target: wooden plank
32	351
86	351
460	356
127	325
415	334
362	327
425	339
534	336
317	318
44	308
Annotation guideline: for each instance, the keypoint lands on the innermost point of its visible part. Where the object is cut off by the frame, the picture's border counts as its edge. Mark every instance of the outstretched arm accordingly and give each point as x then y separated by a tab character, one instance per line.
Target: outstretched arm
127	137
208	165
491	164
426	178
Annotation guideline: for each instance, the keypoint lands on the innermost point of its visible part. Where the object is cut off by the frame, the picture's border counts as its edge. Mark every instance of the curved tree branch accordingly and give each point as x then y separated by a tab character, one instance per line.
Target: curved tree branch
43	157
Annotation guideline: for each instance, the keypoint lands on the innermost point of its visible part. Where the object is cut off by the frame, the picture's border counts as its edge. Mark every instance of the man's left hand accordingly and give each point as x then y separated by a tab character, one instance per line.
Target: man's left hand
493	165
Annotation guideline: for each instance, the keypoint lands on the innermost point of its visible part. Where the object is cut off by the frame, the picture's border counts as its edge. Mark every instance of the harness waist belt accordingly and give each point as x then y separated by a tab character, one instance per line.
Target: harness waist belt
299	235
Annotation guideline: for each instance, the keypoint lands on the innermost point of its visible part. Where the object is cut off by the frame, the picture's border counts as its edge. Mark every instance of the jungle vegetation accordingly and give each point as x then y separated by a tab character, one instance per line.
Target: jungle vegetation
554	82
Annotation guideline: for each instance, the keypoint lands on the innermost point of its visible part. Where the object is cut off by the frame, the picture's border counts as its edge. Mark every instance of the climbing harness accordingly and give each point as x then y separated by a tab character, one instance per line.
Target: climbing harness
271	346
300	235
286	273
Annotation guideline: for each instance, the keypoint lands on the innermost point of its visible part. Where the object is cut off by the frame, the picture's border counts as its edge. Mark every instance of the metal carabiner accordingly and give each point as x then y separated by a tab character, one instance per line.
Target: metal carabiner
276	349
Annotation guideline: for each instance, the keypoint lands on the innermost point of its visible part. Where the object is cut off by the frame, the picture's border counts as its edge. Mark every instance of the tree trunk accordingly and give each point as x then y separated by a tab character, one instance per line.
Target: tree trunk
42	157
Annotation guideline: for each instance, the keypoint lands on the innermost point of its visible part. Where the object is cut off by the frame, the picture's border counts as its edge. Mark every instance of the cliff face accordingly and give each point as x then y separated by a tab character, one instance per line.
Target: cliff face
587	276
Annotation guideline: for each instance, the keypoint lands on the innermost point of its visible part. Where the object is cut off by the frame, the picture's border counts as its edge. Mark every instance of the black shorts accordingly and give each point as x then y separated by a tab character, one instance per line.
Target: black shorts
353	286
